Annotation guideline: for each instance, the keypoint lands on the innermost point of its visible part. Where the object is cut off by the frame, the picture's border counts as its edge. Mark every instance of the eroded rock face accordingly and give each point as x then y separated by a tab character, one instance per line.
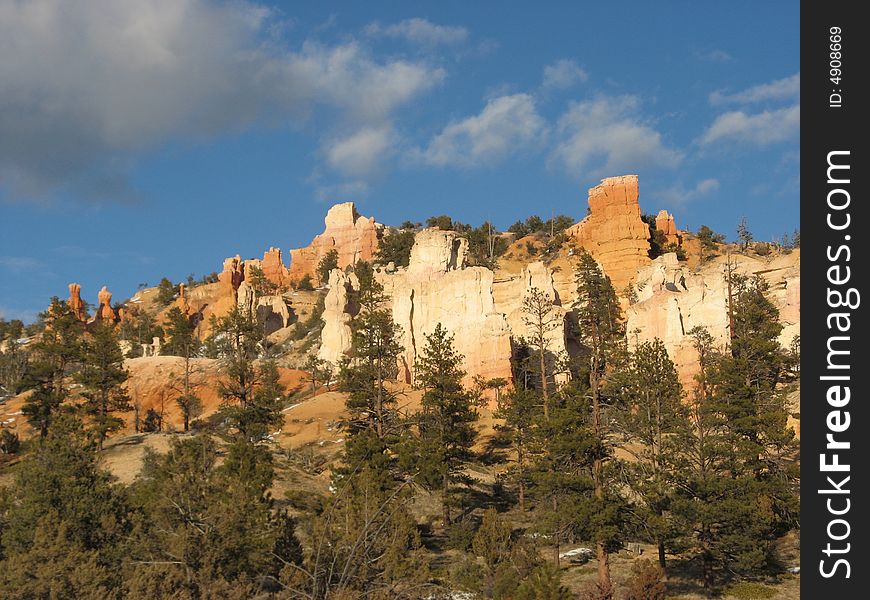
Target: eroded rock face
510	295
352	236
232	275
105	312
673	299
613	231
433	289
337	314
75	302
665	223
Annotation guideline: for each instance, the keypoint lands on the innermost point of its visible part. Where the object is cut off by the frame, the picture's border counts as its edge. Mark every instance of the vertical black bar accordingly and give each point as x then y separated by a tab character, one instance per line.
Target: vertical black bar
834	253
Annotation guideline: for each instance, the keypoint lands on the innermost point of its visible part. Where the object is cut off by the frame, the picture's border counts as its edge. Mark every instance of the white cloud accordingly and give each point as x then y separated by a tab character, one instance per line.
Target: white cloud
563	74
678	195
716	56
607	136
87	86
343	192
19	263
787	88
506	125
361	153
760	129
420	31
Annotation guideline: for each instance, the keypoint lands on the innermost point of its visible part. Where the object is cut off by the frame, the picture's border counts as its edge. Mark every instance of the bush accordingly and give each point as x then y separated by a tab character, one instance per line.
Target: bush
165	291
396	248
460	535
645	582
762	248
305	284
9	442
746	590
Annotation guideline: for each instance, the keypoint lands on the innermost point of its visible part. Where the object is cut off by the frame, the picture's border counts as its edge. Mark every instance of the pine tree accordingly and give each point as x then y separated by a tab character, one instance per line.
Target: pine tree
520	410
182	341
56	356
327	264
102	378
602	333
446	423
374	353
540	319
62	506
649	412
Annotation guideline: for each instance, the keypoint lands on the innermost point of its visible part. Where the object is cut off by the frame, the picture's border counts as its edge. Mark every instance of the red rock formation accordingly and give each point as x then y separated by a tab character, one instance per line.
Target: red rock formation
354	237
105	312
75	302
665	224
181	302
613	231
274	269
232	275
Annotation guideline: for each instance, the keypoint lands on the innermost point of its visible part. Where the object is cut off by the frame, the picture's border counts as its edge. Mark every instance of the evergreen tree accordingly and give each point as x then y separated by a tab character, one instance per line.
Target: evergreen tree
446	423
102	379
540	318
65	509
251	392
602	333
396	247
744	236
520	410
56	356
373	359
182	341
327	264
732	485
206	526
650	411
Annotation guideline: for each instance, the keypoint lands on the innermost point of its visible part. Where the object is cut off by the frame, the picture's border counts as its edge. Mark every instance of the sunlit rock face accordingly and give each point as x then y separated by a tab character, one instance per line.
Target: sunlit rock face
352	236
613	231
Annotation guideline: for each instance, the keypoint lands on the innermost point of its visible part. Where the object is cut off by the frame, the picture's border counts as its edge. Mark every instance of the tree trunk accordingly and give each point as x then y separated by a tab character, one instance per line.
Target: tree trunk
445	500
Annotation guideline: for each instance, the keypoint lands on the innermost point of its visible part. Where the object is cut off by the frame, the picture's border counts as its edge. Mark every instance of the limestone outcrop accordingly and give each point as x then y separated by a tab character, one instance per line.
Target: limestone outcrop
75	302
613	231
352	236
232	275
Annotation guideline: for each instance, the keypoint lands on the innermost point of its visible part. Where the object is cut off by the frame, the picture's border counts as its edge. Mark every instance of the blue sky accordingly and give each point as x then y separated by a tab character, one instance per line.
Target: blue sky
152	138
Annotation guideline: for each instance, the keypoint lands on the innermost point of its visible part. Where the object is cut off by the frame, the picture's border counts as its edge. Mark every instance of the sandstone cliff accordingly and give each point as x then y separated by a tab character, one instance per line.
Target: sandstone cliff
613	231
352	236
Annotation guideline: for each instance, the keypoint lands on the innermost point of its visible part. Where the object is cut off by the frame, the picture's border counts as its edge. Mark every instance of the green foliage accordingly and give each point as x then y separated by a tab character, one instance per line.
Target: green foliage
746	590
102	378
744	236
139	327
61	482
441	222
396	248
410	225
314	323
446	424
306	284
460	534
657	238
373	357
260	283
165	292
327	264
761	248
180	335
9	442
56	356
203	523
485	245
676	249
709	239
